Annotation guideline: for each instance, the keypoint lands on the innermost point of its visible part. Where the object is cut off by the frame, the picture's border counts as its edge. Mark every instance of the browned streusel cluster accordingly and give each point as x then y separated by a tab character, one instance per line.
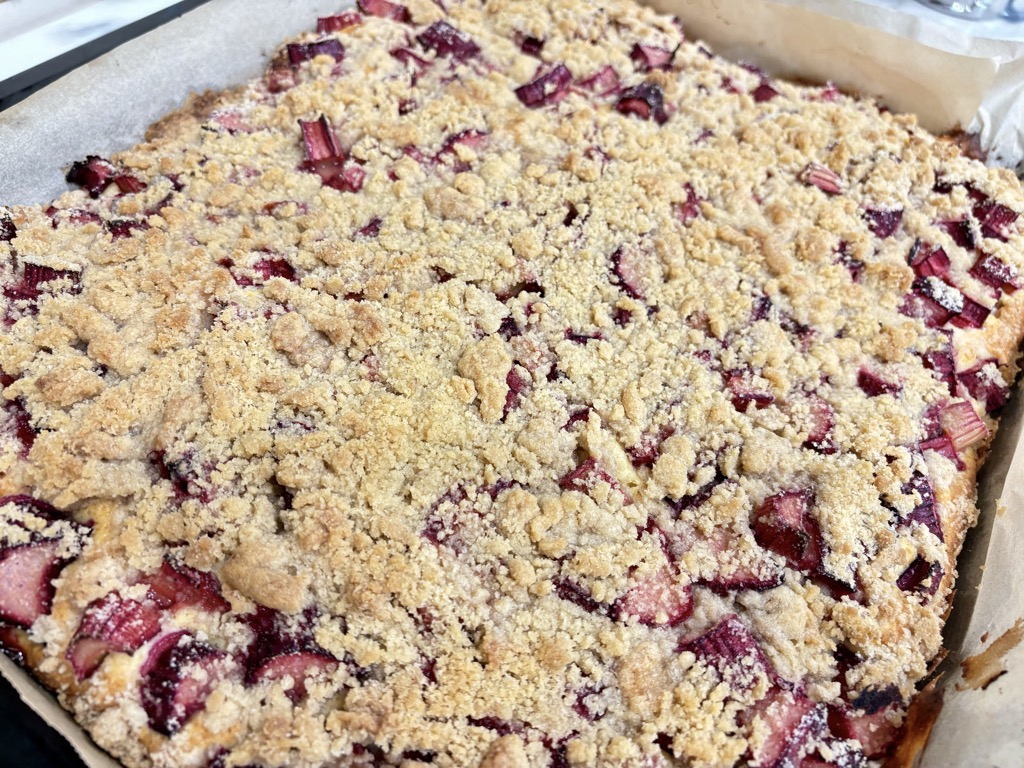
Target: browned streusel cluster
515	384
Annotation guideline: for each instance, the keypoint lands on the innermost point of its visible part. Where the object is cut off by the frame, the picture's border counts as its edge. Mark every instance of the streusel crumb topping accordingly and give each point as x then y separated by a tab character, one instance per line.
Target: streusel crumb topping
506	384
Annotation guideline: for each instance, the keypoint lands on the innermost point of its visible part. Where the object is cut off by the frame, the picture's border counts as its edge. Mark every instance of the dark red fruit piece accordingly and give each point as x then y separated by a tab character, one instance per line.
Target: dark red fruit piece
546	89
183	476
872	731
823	418
407	57
385	10
517	384
960	231
993	271
120	228
656	601
94	174
371	229
580	414
646	101
694	500
128	184
446	40
928	260
34	277
842	754
794	724
531	46
584	708
783	524
281	647
178	675
995	218
578	337
648	57
573	593
972	314
268	268
26	573
300	52
985	383
744	392
925	511
586	476
625	273
112	623
19	425
874	385
687	211
854	266
830	92
496	724
176	585
942	444
327	24
731	650
7	229
942	365
439	530
882	222
603	82
646	452
320	141
298	666
764	92
757	576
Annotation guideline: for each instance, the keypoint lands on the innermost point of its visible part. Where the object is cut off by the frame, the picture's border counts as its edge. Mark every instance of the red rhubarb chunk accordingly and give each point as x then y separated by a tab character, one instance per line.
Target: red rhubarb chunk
573	593
942	444
284	647
603	82
993	271
648	57
875	734
687	211
586	476
385	10
995	218
874	385
18	425
531	46
547	89
985	383
517	384
112	623
626	273
963	425
328	24
972	314
407	57
822	177
176	585
942	365
783	524
960	231
656	601
928	260
732	576
26	575
120	228
320	141
446	40
883	222
823	419
177	676
730	649
794	724
745	393
920	576
764	92
94	174
646	101
300	52
299	666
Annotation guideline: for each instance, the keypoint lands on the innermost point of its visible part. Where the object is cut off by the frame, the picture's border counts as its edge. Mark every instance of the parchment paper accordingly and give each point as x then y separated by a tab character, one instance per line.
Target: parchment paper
936	69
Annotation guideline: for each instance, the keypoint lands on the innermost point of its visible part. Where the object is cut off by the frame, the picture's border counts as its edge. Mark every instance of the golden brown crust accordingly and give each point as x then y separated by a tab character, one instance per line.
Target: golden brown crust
551	432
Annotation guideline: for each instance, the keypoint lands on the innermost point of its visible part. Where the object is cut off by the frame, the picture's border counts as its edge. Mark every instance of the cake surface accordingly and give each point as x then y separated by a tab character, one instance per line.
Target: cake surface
506	384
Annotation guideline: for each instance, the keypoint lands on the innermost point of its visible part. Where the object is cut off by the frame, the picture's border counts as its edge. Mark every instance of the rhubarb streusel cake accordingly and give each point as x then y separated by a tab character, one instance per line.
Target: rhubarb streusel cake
501	383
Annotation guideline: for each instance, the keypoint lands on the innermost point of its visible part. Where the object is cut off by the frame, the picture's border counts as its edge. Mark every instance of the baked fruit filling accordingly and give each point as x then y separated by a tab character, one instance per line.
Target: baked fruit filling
504	384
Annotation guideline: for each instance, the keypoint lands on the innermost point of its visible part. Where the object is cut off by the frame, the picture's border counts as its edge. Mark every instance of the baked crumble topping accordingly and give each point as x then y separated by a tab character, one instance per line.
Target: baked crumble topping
508	384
